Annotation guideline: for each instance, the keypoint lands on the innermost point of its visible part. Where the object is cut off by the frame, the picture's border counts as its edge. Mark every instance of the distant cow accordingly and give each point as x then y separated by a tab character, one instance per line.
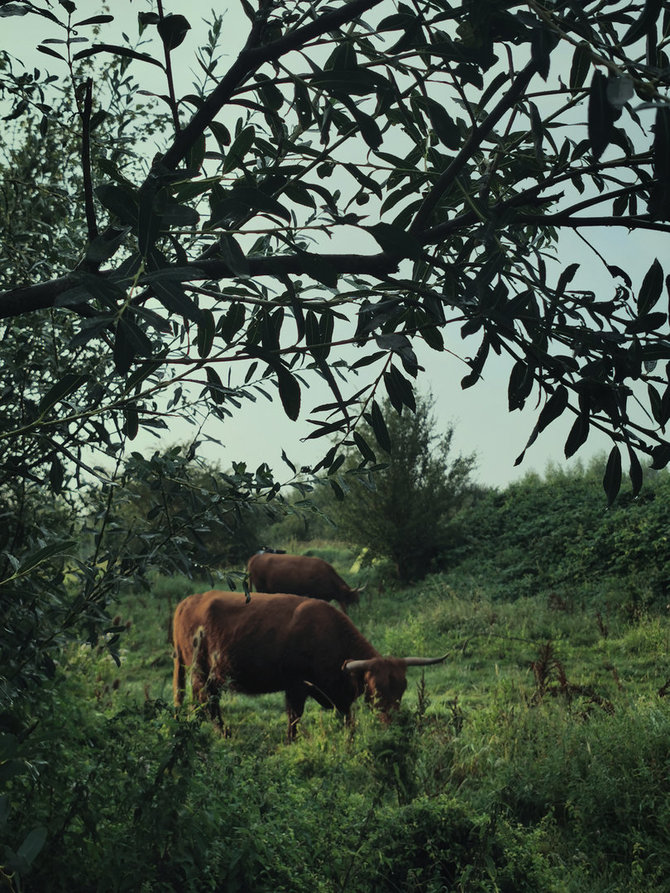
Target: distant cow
281	642
300	575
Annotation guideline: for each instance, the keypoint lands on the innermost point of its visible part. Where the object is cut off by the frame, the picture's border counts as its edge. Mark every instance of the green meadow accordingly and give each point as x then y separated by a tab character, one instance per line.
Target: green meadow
536	757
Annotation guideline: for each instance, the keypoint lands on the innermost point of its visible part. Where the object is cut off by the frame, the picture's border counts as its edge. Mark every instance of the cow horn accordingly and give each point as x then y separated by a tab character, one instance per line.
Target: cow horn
353	666
423	661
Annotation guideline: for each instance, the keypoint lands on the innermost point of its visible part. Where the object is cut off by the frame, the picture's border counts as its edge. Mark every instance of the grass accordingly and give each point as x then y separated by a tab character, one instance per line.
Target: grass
489	644
535	758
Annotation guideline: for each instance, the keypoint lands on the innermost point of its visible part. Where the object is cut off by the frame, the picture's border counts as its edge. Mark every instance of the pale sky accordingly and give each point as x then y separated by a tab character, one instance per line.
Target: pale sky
482	422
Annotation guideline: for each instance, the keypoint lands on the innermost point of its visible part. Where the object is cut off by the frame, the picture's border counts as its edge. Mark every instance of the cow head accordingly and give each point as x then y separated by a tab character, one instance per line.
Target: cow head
384	679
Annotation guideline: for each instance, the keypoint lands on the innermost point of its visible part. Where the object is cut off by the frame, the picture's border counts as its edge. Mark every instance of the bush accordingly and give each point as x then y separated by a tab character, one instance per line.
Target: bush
403	508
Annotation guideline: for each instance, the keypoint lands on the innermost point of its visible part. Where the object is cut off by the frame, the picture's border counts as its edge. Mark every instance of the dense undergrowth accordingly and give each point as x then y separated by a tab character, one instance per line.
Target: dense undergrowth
537	758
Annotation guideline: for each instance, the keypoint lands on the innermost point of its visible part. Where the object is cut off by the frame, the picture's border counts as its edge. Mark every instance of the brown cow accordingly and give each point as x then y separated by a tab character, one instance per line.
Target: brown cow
301	646
300	575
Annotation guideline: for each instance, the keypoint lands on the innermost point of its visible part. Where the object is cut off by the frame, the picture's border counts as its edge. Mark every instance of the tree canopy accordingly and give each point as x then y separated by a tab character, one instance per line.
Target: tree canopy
353	183
450	144
404	510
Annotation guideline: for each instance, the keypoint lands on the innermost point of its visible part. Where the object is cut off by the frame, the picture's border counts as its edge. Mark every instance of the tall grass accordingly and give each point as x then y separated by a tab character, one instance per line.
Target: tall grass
536	758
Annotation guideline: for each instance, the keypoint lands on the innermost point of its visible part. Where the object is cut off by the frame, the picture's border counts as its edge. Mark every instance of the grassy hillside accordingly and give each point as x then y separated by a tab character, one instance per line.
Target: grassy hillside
537	758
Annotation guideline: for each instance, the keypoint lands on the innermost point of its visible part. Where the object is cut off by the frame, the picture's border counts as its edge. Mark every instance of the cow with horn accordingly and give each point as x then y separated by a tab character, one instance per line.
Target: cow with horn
282	642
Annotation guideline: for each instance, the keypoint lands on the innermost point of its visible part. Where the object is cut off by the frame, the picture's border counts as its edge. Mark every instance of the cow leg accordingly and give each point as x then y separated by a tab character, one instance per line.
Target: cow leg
295	707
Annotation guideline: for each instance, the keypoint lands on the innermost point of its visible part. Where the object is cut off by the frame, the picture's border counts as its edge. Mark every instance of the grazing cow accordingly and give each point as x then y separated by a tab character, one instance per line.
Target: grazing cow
282	642
299	575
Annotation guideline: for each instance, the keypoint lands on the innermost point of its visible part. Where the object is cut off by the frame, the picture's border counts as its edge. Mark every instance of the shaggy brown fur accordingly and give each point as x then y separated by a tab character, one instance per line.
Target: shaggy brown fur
279	642
301	575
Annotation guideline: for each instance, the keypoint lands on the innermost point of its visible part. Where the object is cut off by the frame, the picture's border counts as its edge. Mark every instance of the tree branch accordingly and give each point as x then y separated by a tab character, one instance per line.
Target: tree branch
512	96
250	59
29	298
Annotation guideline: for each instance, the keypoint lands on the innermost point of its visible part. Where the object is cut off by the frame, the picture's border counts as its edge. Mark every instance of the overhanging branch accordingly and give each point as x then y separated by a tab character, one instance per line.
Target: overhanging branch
27	299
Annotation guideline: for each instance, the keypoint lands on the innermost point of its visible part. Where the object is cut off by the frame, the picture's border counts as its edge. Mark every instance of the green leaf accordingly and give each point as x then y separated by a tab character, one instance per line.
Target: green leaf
350	82
543	40
130	421
241	145
271	96
635	472
32	845
172	30
120	200
56	475
651	288
600	115
39	556
565	278
367	126
395	240
129	341
659	199
520	385
116	51
581	62
232	254
215	385
290	464
302	103
364	448
173	297
379	428
651	322
553	408
578	435
152	203
241	201
206	331
69	383
399	390
106	244
220	132
660	456
644	22
94	20
612	477
49	52
289	392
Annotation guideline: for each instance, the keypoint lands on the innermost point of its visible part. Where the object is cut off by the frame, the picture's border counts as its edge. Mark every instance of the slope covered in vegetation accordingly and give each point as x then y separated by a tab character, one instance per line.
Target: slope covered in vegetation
536	758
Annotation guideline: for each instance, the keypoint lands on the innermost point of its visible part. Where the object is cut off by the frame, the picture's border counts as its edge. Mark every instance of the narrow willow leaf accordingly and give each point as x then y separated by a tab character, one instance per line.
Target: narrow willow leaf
660	456
578	435
289	392
206	330
290	464
600	115
651	288
115	50
612	477
659	199
642	24
543	41
553	408
635	472
364	448
379	428
69	383
581	62
215	385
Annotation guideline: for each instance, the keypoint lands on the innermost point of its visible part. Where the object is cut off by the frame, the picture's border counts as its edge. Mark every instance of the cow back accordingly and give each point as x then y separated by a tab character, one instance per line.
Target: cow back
298	574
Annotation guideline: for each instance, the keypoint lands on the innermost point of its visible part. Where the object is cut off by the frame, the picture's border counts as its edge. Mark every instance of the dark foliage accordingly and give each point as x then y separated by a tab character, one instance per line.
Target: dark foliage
400	504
